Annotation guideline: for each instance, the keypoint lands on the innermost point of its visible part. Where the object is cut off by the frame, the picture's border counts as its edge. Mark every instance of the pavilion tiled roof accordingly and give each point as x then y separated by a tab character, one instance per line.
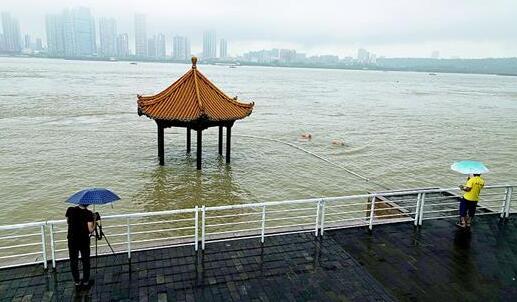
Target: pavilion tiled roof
192	97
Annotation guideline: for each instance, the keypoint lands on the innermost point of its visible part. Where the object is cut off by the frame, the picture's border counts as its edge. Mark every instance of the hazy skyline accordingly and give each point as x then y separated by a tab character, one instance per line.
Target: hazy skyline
397	28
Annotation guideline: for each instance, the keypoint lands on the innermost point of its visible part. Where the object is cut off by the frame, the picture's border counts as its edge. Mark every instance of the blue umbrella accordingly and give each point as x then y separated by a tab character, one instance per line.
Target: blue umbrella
93	196
469	167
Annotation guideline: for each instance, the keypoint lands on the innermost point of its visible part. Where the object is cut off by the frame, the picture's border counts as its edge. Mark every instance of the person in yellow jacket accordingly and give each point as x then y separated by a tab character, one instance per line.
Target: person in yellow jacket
470	199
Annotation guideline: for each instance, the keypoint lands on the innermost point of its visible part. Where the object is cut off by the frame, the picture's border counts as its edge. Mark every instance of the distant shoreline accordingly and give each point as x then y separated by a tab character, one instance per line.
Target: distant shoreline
461	65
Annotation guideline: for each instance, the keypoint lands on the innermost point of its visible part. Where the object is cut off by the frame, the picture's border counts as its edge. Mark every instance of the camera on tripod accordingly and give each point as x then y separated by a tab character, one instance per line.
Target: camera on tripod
98	233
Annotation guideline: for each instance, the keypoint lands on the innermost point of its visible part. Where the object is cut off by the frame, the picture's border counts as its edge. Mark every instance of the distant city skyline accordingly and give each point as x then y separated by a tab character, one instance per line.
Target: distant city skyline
66	37
73	33
400	28
74	27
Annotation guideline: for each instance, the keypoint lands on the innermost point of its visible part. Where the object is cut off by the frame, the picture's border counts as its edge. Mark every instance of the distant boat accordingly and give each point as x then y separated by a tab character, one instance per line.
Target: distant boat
432	73
229	64
133	63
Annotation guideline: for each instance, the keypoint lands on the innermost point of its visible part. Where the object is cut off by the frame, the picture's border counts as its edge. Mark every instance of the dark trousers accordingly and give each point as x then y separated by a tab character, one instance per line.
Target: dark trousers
74	248
467	206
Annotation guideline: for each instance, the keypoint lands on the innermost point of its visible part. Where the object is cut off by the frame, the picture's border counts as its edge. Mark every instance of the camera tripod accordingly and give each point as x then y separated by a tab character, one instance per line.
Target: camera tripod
99	235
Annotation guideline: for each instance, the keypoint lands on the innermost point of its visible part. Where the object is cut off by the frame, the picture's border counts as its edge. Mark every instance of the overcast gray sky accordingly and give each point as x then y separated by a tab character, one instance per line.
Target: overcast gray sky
393	28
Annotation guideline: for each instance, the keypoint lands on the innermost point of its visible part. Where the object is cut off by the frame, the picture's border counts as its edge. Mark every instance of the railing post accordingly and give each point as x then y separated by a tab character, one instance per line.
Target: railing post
322	222
372	212
128	238
203	217
263	230
52	246
503	206
508	199
196	227
417	209
43	246
316	225
421	211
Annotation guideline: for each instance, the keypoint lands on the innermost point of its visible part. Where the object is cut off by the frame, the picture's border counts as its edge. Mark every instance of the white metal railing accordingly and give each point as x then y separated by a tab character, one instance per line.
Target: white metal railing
22	244
29	243
127	233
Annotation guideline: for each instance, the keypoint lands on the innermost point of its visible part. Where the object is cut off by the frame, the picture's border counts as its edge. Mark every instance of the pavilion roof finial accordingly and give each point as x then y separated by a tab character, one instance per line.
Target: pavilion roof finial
194	61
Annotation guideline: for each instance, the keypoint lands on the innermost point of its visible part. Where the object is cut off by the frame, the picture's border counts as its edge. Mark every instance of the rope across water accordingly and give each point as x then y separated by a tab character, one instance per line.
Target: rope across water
317	156
364	178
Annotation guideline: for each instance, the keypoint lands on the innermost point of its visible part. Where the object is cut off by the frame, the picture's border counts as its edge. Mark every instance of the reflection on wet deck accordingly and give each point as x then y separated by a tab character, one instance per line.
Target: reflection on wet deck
437	262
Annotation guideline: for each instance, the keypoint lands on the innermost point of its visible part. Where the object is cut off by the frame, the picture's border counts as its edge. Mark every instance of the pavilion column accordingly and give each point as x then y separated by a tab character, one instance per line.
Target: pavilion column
199	147
160	144
228	143
188	139
221	140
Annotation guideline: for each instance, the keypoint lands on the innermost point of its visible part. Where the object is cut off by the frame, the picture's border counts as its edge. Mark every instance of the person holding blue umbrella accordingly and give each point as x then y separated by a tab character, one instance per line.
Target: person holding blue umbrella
81	224
472	188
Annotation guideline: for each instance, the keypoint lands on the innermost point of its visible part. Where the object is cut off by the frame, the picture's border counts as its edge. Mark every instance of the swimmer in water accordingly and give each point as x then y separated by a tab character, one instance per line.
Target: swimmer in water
306	136
338	142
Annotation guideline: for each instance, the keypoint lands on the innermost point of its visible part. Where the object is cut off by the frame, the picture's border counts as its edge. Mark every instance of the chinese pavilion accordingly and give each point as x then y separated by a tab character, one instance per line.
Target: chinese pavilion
195	103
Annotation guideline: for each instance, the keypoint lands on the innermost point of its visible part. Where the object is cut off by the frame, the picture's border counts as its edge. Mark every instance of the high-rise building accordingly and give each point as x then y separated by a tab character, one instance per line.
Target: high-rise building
140	36
151	47
69	38
55	35
11	34
209	45
300	57
160	46
373	59
188	53
363	56
71	33
27	41
108	37
2	43
223	49
287	55
180	48
123	45
78	30
38	45
84	31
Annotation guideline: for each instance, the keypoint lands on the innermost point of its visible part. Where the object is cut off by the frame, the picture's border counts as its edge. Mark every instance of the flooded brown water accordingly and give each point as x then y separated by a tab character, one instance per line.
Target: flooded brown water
67	125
